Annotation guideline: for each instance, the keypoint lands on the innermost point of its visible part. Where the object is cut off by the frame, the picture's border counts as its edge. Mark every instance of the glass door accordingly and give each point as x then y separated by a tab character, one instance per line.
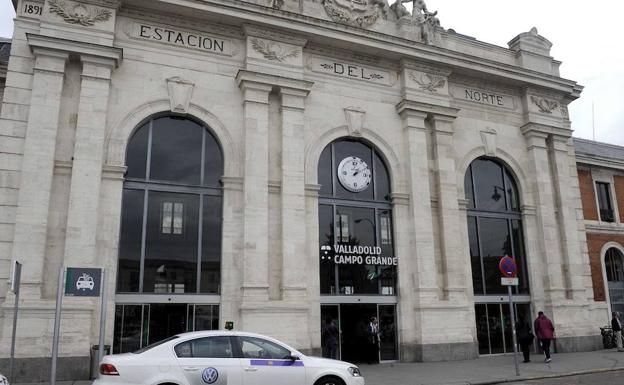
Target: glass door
388	336
494	323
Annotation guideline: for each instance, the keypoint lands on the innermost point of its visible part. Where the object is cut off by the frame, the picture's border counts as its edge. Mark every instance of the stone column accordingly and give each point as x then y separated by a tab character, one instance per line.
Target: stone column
255	187
547	240
293	192
453	252
82	216
37	168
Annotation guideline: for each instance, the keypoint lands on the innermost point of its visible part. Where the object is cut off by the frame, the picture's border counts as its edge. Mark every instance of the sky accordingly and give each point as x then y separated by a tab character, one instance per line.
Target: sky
586	37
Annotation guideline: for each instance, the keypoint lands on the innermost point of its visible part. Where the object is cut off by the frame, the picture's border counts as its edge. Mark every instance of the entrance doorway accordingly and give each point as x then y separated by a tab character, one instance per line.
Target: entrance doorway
139	325
352	321
494	325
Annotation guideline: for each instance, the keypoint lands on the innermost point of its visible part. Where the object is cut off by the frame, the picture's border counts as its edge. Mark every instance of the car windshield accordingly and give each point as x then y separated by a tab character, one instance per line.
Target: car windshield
148	347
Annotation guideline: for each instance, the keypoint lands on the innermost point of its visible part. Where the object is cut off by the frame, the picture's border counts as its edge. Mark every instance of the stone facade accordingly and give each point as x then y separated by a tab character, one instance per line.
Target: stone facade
276	82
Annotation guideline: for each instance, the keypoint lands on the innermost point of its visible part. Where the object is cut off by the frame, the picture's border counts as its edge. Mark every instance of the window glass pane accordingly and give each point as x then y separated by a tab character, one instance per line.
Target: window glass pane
495	244
136	153
482	328
213	162
355	278
468	188
176	150
128	328
211	245
475	257
381	179
325	172
167	217
171	259
604	202
512	192
489	187
166	320
326	238
206	317
130	239
262	349
344	149
387	333
496	328
520	257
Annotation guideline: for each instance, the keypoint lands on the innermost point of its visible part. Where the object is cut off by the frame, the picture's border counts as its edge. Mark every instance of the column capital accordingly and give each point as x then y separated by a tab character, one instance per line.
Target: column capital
431	111
97	67
40	44
531	130
258	85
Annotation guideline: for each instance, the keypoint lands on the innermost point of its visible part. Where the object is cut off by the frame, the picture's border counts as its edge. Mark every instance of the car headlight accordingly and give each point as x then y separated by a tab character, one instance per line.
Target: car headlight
355	372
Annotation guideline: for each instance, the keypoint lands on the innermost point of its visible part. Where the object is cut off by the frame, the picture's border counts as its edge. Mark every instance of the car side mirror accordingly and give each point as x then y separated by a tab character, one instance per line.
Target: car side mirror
293	358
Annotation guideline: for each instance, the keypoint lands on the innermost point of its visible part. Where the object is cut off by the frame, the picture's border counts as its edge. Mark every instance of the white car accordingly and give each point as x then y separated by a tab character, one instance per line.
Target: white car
223	358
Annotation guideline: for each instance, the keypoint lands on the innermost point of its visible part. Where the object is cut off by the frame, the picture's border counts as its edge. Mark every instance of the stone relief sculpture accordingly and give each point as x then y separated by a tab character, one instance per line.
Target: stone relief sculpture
359	13
428	82
273	51
544	105
425	21
277	4
79	13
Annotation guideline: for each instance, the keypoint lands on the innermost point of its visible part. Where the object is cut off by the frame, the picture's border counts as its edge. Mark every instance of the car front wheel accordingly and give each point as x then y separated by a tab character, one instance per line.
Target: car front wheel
330	380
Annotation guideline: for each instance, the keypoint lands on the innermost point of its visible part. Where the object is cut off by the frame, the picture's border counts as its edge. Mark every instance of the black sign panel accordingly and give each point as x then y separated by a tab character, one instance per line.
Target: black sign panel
83	282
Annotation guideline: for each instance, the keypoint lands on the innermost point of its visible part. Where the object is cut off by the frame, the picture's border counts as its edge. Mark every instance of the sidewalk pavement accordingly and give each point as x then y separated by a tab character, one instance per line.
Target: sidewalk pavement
491	370
482	371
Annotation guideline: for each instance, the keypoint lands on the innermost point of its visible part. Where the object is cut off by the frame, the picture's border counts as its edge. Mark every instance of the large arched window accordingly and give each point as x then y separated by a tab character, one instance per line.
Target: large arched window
355	220
494	225
170	239
614	264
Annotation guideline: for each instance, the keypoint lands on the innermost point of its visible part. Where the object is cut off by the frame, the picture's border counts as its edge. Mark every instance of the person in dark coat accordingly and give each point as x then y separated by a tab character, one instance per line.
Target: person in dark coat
330	336
616	325
545	332
525	338
373	341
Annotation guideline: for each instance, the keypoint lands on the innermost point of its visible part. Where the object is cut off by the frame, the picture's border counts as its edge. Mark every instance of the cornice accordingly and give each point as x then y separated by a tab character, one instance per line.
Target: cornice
115	4
74	47
431	110
600	161
260	78
273	34
383	44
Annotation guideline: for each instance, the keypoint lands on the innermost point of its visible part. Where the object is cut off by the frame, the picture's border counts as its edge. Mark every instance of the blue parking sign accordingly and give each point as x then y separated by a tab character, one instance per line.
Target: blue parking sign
83	282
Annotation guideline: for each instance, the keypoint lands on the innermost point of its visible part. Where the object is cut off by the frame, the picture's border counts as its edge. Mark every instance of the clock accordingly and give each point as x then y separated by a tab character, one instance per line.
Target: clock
354	174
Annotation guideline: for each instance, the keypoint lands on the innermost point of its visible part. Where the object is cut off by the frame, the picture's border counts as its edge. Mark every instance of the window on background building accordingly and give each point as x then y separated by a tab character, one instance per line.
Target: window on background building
603	191
494	225
355	219
614	264
170	239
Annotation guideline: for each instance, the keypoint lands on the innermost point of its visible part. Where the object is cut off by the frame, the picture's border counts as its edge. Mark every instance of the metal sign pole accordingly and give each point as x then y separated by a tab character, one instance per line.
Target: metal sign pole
57	325
17	275
513	330
102	316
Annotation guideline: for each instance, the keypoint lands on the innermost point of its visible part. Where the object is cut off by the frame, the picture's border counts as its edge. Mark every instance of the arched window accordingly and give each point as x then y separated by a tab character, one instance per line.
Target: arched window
614	264
494	225
355	211
170	239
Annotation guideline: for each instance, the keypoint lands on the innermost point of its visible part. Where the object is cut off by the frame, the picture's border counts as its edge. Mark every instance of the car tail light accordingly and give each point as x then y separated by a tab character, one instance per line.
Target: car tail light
108	370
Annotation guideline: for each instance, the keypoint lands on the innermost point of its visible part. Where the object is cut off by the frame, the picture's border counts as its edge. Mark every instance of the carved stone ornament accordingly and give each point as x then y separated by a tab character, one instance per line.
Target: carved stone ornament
359	13
180	92
428	82
79	13
355	120
546	106
276	4
488	136
272	50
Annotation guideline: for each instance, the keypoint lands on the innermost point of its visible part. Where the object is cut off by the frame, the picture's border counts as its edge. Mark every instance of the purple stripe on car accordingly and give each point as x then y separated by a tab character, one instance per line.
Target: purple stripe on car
275	363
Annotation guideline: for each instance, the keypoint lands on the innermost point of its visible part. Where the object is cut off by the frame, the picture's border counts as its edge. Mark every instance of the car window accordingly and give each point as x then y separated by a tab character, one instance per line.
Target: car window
209	347
253	347
142	350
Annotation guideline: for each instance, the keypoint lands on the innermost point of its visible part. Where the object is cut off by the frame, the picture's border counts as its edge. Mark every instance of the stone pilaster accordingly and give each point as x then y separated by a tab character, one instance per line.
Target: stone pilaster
293	191
255	186
37	168
82	215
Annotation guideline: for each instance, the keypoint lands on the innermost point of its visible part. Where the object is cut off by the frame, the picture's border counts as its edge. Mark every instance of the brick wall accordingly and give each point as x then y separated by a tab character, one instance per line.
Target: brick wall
618	182
595	242
588	195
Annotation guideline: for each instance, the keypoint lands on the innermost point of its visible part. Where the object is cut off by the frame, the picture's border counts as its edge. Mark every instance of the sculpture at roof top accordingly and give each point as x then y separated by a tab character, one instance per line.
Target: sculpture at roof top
426	21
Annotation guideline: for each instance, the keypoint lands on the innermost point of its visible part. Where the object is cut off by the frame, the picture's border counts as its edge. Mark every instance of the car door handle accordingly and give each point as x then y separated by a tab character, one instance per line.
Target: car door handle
251	369
191	368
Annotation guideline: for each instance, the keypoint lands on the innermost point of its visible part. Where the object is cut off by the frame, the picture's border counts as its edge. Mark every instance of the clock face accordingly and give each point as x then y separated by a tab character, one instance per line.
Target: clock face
354	174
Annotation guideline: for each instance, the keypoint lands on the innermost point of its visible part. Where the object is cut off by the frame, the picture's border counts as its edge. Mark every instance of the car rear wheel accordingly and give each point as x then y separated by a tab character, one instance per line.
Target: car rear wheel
329	380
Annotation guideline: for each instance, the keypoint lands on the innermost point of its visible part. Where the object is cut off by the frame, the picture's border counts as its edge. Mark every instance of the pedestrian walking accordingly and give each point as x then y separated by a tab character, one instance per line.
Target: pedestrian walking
525	338
545	332
616	325
330	336
373	341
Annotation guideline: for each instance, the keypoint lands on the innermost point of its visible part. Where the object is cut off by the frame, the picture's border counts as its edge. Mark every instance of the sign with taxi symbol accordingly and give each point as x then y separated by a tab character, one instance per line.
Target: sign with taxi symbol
83	282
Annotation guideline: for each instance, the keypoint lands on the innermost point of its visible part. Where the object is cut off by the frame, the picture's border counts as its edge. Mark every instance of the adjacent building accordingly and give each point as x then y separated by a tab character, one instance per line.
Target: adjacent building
271	165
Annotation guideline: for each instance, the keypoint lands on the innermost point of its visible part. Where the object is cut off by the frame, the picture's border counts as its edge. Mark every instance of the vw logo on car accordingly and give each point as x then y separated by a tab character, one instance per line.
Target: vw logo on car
210	375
